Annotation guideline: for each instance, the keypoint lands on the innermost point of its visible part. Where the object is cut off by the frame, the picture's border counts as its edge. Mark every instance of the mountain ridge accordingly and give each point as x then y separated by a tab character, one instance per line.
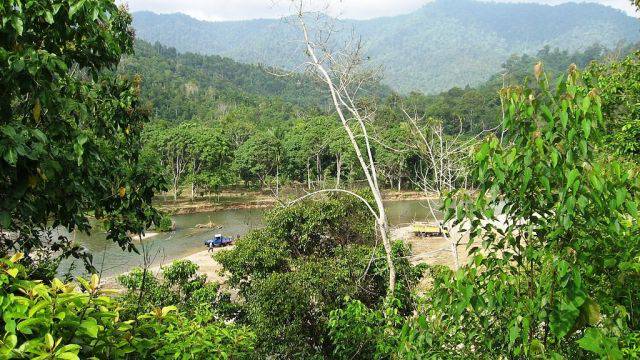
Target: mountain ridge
441	45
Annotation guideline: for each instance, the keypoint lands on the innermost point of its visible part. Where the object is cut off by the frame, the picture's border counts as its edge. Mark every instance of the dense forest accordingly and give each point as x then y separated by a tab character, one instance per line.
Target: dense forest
536	174
217	122
445	43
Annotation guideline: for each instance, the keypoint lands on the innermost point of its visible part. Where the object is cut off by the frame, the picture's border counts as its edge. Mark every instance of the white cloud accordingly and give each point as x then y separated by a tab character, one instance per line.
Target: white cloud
217	10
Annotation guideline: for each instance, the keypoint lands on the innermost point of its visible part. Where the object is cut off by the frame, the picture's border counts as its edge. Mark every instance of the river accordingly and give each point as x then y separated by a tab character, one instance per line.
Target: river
186	239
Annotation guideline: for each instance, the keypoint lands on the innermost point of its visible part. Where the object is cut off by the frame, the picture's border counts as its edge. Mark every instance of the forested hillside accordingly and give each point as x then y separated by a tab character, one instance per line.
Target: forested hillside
473	109
207	88
446	43
182	87
218	122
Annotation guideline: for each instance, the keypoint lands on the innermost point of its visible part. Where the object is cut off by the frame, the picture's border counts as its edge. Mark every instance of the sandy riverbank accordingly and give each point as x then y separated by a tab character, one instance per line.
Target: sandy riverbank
203	259
429	250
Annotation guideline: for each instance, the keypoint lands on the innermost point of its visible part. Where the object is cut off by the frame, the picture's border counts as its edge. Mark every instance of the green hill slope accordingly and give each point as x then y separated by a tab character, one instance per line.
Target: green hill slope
446	43
183	87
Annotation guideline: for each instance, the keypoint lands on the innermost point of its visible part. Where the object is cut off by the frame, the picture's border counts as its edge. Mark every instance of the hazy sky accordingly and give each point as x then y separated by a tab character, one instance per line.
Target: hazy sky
354	9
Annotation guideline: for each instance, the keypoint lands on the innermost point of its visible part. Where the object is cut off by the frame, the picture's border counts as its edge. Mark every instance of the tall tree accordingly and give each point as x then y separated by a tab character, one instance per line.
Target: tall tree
259	157
69	129
344	78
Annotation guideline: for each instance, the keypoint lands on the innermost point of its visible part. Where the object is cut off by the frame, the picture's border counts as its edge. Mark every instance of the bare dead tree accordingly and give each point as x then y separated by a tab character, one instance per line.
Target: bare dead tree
342	73
447	159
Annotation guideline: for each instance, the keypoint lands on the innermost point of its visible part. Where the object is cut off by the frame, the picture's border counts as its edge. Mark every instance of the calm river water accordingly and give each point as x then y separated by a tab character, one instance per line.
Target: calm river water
187	240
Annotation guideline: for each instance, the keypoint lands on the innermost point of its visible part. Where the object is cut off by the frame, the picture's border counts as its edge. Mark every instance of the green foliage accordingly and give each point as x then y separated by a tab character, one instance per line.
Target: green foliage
70	130
320	252
547	231
41	321
189	152
170	336
187	86
264	141
474	109
554	240
617	83
178	284
59	322
165	224
259	157
359	332
257	255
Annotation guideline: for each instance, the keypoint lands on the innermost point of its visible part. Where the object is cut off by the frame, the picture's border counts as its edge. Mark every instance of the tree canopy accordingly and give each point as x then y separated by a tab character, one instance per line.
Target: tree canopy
70	131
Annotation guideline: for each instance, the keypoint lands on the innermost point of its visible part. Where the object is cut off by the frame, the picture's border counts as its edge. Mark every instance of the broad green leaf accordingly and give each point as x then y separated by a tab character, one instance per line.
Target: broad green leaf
546	112
168	309
40	135
75	8
10	341
595	182
595	342
68	356
17	25
527	176
90	326
48	17
514	332
95	281
483	153
632	207
82	139
11	156
592	311
536	348
39	306
586	127
586	102
554	157
572	176
545	182
26	325
621	195
49	340
564	118
16	257
13	272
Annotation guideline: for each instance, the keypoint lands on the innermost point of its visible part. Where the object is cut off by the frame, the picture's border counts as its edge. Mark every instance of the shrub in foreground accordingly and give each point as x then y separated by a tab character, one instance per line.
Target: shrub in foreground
67	321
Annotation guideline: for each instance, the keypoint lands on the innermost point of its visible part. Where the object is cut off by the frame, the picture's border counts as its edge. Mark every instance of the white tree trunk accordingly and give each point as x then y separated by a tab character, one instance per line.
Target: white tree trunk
342	101
308	176
338	169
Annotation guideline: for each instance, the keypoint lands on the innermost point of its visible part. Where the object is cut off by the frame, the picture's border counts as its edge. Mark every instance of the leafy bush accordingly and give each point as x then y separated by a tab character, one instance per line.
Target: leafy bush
179	284
166	224
321	252
59	322
359	332
554	242
548	231
617	84
69	144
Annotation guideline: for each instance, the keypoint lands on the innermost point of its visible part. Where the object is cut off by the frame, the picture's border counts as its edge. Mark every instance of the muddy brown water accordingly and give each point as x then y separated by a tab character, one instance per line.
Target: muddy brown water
187	239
